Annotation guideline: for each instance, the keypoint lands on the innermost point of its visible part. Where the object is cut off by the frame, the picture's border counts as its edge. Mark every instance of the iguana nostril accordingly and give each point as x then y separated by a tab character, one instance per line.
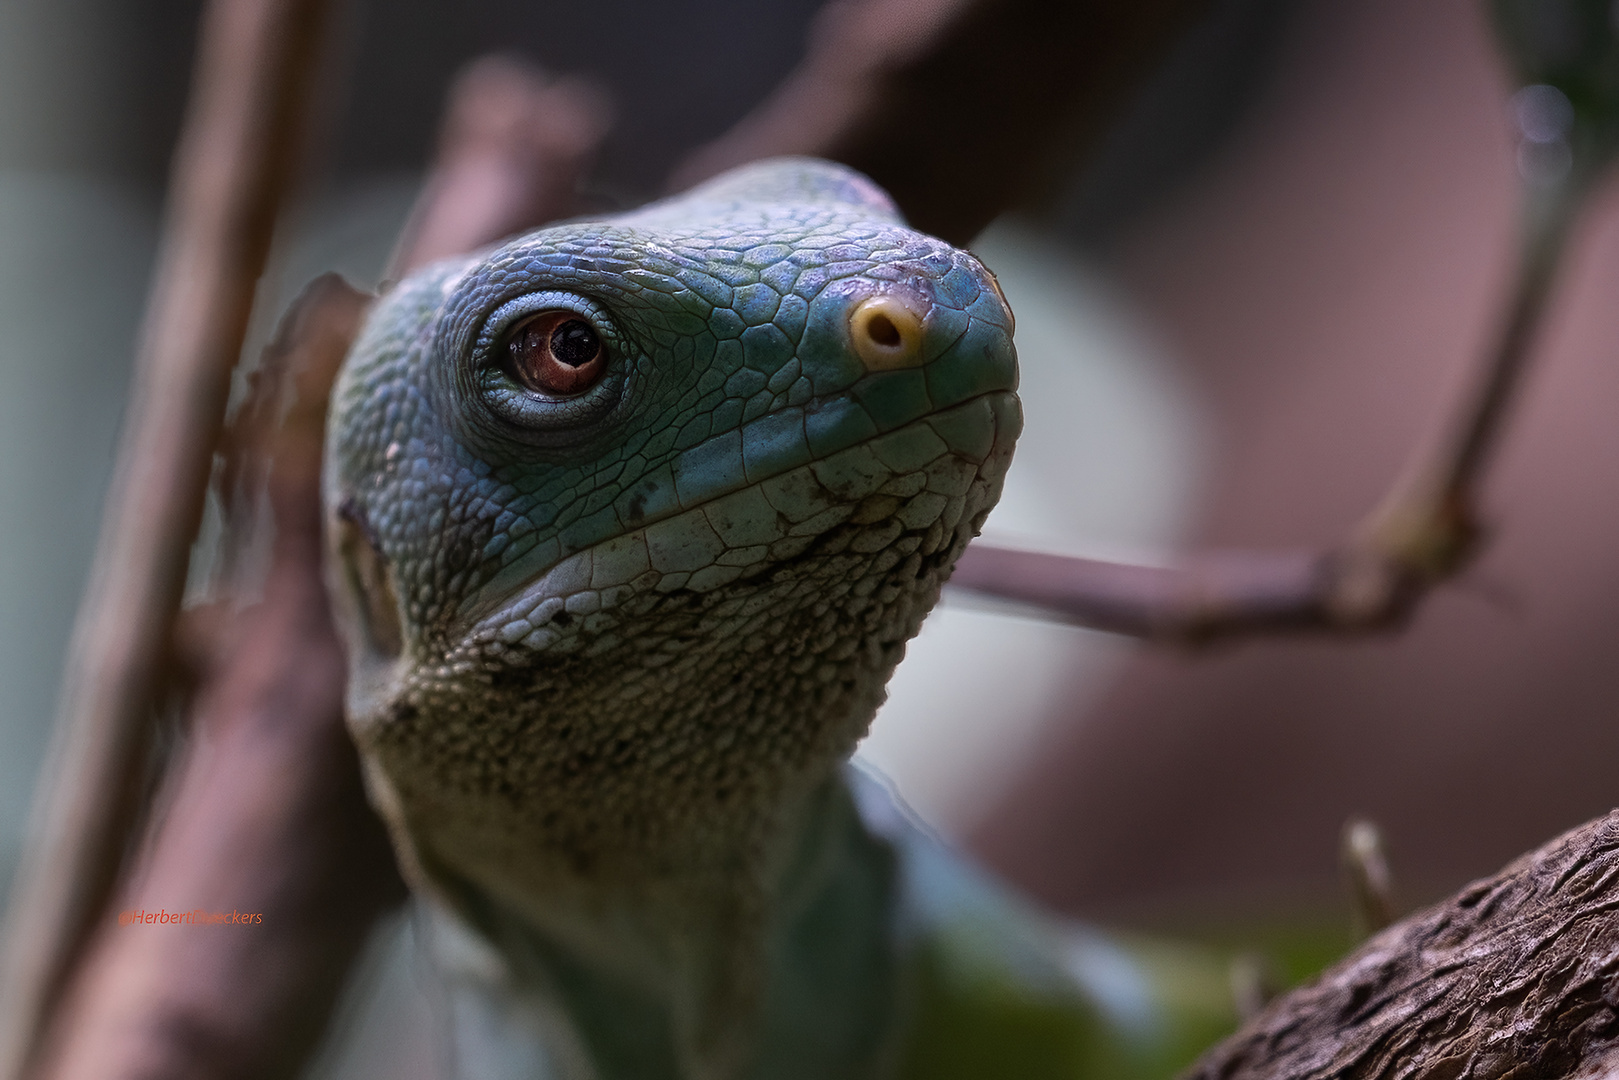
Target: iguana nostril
886	333
883	331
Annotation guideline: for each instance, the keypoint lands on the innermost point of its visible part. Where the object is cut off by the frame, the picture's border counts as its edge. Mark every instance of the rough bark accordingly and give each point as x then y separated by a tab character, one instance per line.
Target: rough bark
1514	978
265	813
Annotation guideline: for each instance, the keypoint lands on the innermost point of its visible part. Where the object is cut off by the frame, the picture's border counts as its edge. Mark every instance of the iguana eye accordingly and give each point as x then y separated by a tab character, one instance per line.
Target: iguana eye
547	367
555	353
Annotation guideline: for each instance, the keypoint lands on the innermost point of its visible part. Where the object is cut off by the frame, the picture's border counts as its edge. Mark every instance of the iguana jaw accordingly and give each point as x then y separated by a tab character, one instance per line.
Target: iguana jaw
921	479
837	543
749	531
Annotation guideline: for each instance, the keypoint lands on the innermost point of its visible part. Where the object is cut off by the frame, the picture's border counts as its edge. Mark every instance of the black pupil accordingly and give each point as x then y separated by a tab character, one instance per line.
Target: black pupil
574	343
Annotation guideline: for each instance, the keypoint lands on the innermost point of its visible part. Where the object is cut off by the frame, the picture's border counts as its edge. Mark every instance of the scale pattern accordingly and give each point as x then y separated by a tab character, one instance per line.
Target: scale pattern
712	574
606	649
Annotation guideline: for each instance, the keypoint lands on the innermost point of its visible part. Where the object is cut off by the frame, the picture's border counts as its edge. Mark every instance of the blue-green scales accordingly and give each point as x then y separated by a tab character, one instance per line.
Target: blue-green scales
632	519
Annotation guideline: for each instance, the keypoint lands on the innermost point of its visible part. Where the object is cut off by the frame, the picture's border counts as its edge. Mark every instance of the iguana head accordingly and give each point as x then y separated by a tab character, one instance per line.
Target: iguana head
632	518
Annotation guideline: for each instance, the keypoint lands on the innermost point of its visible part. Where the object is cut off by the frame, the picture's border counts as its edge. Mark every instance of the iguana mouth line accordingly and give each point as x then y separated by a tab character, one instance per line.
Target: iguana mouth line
533	593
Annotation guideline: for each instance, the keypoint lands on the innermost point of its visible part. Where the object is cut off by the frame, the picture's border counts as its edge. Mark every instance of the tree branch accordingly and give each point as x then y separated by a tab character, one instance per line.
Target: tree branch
1424	531
265	812
1516	976
1010	73
512	149
244	132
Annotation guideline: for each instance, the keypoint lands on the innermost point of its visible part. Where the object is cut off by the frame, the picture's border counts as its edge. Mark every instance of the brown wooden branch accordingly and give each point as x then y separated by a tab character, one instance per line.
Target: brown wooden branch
244	132
1425	530
265	814
961	109
1516	977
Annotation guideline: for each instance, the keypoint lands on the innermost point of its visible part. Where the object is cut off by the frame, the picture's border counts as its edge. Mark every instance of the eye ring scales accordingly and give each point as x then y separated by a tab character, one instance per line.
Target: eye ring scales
556	353
546	366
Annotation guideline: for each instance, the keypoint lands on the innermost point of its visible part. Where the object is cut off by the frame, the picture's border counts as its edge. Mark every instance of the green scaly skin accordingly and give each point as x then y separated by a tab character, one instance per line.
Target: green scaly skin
610	651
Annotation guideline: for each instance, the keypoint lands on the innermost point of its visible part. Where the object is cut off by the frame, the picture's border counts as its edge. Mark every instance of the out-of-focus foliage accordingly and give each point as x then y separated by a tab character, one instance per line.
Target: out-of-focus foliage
1571	46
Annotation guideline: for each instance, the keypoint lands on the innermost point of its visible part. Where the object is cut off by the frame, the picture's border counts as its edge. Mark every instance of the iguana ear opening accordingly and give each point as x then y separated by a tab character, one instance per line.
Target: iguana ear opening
366	588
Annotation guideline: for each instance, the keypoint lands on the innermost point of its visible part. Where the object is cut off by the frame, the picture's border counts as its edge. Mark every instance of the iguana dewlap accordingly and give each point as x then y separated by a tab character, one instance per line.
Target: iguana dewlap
631	520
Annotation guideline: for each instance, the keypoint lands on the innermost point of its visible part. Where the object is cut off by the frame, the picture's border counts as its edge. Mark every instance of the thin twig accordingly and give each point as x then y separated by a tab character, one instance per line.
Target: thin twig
1424	531
243	136
1366	869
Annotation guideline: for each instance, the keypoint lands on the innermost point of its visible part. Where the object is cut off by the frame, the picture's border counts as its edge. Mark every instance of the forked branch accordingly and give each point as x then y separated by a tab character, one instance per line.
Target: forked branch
1425	530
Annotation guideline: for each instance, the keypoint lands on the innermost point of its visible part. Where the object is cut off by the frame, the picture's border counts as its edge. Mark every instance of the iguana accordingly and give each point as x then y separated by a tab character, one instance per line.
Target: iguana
630	521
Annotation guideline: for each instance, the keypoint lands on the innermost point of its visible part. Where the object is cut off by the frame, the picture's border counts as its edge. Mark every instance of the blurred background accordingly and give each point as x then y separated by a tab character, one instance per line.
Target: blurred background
1236	319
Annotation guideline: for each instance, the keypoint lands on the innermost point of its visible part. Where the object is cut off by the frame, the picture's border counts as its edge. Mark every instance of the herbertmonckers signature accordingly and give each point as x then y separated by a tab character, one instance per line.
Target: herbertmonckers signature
197	917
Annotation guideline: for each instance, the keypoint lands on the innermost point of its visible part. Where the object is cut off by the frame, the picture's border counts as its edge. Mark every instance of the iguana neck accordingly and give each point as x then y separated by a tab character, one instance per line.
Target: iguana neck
699	980
640	793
